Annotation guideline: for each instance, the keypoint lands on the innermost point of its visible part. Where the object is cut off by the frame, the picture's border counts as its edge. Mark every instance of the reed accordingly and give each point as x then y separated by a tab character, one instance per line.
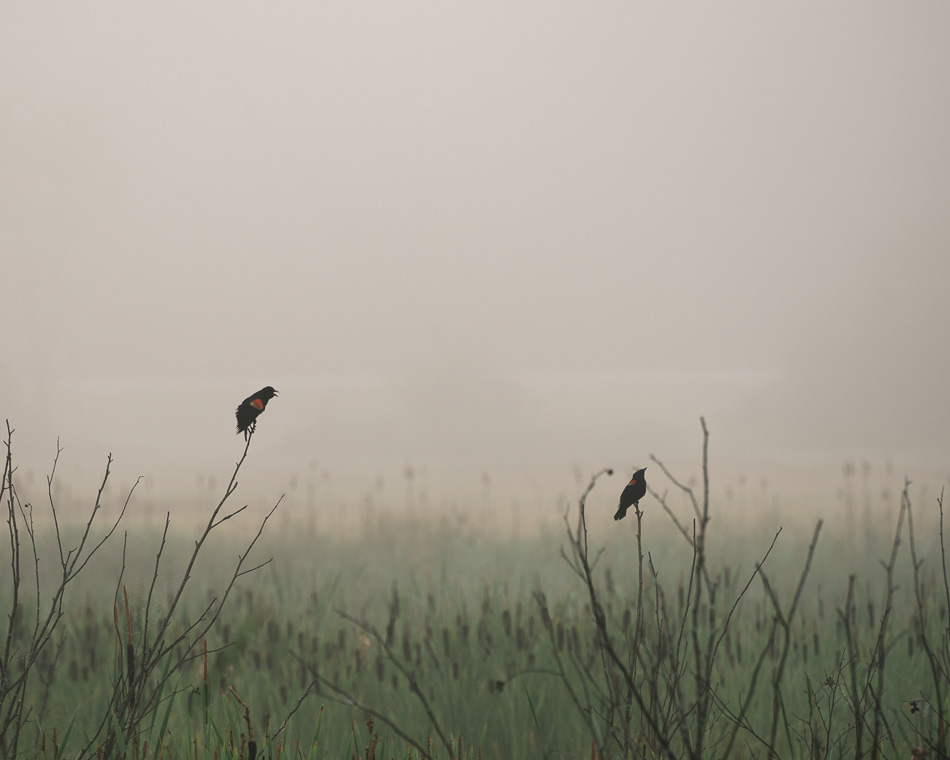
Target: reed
643	649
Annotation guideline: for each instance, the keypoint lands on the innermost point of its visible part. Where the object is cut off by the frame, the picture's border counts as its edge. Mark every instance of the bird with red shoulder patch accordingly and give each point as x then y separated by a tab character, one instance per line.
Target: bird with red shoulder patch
635	490
251	408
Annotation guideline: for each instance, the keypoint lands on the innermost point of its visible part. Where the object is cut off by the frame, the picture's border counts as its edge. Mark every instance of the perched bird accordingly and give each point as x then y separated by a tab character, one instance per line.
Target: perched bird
250	408
636	489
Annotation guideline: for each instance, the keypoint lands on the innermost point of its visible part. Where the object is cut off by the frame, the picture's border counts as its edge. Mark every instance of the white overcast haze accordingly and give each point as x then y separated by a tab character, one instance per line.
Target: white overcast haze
502	238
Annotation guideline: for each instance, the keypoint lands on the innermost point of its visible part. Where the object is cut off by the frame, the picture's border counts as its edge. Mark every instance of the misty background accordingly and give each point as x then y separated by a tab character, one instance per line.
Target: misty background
477	248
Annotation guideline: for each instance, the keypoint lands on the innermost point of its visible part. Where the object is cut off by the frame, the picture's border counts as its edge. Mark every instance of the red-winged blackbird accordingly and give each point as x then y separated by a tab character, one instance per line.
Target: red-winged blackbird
250	408
636	489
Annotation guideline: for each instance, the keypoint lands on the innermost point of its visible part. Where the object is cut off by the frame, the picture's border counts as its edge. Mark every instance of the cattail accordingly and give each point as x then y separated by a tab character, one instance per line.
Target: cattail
545	613
130	660
484	637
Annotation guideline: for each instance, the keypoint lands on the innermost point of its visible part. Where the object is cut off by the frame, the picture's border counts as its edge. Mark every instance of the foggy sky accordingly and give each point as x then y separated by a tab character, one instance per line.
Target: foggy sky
524	235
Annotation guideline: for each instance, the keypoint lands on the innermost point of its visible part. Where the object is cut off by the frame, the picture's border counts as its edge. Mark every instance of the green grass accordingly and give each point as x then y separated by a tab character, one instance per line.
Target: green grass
470	632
